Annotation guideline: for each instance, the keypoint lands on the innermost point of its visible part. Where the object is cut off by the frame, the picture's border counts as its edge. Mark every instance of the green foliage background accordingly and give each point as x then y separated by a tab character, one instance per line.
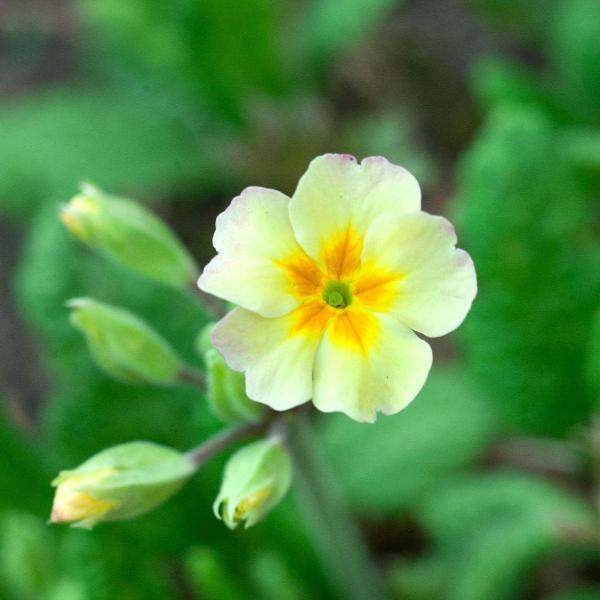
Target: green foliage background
487	485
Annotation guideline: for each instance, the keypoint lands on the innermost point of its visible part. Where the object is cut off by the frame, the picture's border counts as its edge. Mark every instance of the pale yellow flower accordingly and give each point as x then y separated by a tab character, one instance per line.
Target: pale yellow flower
331	284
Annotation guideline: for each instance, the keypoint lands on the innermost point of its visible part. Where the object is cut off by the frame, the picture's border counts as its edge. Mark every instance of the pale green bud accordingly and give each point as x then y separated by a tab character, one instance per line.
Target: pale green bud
121	482
225	388
256	478
122	345
130	235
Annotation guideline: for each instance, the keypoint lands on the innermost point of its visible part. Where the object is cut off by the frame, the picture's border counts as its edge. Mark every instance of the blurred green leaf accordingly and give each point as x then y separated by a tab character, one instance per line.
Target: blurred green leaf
500	81
524	217
209	577
53	140
27	561
593	360
69	588
581	146
390	135
495	565
494	528
299	558
387	466
273	579
458	508
233	565
574	45
333	26
23	476
583	593
421	579
526	18
229	51
108	565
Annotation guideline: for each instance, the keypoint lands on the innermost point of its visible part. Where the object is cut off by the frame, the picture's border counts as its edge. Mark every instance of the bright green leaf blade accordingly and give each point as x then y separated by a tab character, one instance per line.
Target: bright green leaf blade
387	466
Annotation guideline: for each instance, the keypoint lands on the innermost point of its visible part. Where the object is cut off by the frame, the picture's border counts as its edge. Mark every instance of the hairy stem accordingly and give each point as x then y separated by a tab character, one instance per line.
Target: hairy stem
335	533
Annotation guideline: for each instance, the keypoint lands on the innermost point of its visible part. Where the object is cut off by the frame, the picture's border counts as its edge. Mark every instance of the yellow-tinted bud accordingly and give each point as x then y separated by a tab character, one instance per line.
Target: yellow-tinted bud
71	504
129	234
75	215
119	483
256	478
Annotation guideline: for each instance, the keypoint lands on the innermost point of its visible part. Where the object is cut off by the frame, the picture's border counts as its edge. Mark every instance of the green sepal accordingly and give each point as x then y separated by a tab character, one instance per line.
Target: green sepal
226	388
135	478
123	346
129	234
255	480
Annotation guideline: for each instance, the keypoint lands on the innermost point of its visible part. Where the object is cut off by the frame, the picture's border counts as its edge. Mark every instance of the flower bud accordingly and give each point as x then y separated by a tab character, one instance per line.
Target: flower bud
122	345
256	478
225	388
130	235
119	483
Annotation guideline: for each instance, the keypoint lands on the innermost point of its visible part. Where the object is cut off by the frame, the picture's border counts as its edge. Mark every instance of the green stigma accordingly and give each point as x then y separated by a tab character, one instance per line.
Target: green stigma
337	294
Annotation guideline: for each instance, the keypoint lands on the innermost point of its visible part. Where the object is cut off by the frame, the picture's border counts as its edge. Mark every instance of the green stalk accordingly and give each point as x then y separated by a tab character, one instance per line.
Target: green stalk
336	536
222	440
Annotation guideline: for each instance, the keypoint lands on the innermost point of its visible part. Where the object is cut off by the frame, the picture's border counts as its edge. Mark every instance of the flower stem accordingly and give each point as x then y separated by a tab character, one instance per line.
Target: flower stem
222	440
335	533
191	376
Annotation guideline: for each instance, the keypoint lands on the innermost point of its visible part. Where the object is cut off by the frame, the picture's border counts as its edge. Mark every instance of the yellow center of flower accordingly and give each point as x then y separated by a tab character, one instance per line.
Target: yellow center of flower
340	292
337	294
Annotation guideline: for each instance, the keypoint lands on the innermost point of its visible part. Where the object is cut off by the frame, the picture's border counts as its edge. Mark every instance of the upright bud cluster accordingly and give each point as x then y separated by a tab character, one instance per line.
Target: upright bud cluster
134	478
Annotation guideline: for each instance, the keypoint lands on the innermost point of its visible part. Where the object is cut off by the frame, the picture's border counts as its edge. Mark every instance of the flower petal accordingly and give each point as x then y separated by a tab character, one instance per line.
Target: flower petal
253	236
277	359
435	282
385	377
336	193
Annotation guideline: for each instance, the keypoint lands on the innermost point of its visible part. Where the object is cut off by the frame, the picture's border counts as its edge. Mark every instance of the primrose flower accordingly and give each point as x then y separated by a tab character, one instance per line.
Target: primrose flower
331	285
